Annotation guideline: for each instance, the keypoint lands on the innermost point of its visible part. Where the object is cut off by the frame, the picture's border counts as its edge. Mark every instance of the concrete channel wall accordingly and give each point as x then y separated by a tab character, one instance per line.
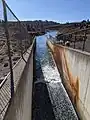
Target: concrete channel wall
74	68
21	104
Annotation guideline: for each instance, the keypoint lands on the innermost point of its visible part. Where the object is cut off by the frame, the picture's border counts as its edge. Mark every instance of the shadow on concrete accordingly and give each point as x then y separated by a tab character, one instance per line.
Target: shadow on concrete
42	108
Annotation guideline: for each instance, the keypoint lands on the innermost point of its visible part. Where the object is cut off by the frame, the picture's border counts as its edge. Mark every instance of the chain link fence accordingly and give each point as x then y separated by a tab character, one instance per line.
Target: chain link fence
14	42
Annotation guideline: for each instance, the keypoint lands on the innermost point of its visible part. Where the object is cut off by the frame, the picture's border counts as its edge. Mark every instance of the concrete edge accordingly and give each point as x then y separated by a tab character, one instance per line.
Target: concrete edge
71	49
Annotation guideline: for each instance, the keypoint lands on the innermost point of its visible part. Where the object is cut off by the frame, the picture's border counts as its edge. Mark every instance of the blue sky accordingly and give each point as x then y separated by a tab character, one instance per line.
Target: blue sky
57	10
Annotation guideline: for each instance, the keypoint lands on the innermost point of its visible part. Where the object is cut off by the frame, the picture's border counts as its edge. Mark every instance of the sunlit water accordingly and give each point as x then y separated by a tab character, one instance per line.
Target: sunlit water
46	71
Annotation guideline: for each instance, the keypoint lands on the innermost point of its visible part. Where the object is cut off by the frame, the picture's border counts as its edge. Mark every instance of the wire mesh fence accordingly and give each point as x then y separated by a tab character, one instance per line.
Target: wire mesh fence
3	46
14	42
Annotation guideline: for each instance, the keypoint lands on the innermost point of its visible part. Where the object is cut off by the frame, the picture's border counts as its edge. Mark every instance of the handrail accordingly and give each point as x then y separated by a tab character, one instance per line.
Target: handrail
76	31
19	42
2	83
13	14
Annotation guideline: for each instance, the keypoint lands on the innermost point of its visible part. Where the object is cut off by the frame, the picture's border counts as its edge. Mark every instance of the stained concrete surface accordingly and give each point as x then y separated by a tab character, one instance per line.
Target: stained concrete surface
74	65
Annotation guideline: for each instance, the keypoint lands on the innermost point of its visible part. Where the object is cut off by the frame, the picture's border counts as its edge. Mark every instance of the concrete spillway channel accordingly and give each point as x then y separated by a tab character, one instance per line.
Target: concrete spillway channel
50	100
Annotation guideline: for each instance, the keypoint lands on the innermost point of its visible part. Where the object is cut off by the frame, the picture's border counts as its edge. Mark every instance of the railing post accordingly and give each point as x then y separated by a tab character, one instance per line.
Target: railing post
8	45
85	37
75	41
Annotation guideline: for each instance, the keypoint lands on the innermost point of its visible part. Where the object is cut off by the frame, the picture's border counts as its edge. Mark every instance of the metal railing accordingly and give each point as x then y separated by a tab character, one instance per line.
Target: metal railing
76	36
14	42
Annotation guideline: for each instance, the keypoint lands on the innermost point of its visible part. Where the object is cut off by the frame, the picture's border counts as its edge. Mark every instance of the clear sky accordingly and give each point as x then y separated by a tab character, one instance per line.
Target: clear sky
57	10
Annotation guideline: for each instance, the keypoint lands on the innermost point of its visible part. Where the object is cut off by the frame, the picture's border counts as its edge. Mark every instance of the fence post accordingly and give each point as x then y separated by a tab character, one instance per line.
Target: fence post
85	37
75	41
8	45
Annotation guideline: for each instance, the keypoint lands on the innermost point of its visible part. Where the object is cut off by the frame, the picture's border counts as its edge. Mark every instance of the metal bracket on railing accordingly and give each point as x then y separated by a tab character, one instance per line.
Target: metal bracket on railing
23	58
27	52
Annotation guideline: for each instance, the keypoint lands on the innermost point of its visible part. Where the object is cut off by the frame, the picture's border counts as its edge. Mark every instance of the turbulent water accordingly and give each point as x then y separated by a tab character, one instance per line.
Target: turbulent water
51	99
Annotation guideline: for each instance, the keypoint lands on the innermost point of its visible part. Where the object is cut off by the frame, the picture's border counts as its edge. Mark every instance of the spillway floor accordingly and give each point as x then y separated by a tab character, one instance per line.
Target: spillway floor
42	107
50	100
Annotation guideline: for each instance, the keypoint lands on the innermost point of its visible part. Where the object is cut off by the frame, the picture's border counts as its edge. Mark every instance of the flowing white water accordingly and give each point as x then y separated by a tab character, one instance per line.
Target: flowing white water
61	103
